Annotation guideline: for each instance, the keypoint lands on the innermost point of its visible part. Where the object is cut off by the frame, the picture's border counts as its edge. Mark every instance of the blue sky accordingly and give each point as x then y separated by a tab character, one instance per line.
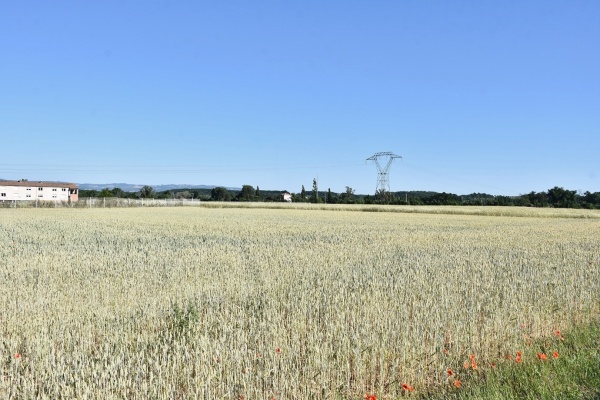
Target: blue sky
477	96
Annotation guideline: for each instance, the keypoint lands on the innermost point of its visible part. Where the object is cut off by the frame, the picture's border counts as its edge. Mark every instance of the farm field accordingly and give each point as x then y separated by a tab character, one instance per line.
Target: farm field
288	303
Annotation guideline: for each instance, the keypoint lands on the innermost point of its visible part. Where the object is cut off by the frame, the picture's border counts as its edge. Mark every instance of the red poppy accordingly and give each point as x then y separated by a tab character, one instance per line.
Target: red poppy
555	354
518	359
457	383
542	356
407	387
474	365
17	355
450	372
370	397
278	350
519	354
493	365
472	357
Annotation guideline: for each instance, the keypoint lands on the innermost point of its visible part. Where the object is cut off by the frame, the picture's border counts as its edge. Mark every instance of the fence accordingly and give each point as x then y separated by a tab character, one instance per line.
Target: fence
100	202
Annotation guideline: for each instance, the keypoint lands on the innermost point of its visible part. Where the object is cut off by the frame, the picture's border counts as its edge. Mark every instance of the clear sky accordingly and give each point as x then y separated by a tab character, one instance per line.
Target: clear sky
477	96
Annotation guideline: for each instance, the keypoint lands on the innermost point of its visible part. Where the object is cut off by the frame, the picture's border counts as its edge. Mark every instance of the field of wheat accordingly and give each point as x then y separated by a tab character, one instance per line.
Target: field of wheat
287	303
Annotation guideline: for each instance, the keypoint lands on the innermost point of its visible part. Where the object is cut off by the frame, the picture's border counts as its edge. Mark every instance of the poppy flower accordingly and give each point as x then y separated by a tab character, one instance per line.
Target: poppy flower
555	354
457	383
472	357
278	350
370	397
519	354
407	387
542	356
493	365
450	372
474	365
518	359
17	356
466	365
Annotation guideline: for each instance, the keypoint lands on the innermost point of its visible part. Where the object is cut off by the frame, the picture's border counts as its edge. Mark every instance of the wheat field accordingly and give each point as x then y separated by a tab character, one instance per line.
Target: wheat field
286	303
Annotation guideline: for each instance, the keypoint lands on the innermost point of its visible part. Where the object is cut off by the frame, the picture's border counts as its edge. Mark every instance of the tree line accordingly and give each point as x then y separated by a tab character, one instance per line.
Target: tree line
557	197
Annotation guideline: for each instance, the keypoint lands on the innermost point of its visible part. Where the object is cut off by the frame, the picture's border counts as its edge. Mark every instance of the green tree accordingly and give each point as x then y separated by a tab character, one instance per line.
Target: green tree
348	195
560	197
106	193
382	196
303	193
314	198
220	194
118	192
257	193
591	200
147	192
247	193
183	195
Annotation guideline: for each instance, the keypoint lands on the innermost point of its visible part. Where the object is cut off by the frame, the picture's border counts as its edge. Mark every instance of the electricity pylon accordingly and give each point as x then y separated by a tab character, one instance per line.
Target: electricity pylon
383	169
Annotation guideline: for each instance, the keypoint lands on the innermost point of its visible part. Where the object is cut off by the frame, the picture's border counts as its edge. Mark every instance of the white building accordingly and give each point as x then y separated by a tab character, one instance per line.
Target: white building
287	197
38	190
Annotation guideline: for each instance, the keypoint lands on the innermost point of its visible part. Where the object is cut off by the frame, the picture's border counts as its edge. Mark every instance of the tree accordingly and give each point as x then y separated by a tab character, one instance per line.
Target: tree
220	194
183	195
257	193
106	193
147	192
303	193
591	200
382	196
559	197
314	198
348	195
247	193
118	192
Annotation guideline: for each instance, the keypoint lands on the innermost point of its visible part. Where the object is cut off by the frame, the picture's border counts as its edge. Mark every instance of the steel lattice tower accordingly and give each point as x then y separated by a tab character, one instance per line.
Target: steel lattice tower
383	169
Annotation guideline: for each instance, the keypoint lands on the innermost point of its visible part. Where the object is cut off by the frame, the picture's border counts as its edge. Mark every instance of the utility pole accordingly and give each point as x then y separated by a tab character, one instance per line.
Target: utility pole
383	168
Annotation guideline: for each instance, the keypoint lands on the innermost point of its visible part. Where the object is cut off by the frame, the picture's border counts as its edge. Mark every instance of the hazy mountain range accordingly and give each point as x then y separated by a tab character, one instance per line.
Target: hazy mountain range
128	187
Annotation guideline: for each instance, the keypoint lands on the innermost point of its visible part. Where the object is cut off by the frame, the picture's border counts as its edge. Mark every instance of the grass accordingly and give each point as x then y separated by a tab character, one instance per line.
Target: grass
300	302
570	371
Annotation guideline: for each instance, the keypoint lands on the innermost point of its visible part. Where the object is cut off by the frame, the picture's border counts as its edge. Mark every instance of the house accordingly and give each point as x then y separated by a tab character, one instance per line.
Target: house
287	197
38	190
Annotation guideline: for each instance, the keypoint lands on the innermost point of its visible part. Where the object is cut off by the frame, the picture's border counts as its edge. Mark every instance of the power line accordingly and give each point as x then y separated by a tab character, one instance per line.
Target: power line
160	169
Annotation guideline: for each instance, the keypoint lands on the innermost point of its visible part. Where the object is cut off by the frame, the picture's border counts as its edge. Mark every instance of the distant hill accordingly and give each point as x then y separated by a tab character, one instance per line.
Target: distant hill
128	187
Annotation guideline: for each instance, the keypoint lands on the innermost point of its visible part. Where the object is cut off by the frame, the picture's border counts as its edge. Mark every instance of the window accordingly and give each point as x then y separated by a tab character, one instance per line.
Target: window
40	195
64	190
40	188
54	190
53	196
2	194
29	189
27	195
